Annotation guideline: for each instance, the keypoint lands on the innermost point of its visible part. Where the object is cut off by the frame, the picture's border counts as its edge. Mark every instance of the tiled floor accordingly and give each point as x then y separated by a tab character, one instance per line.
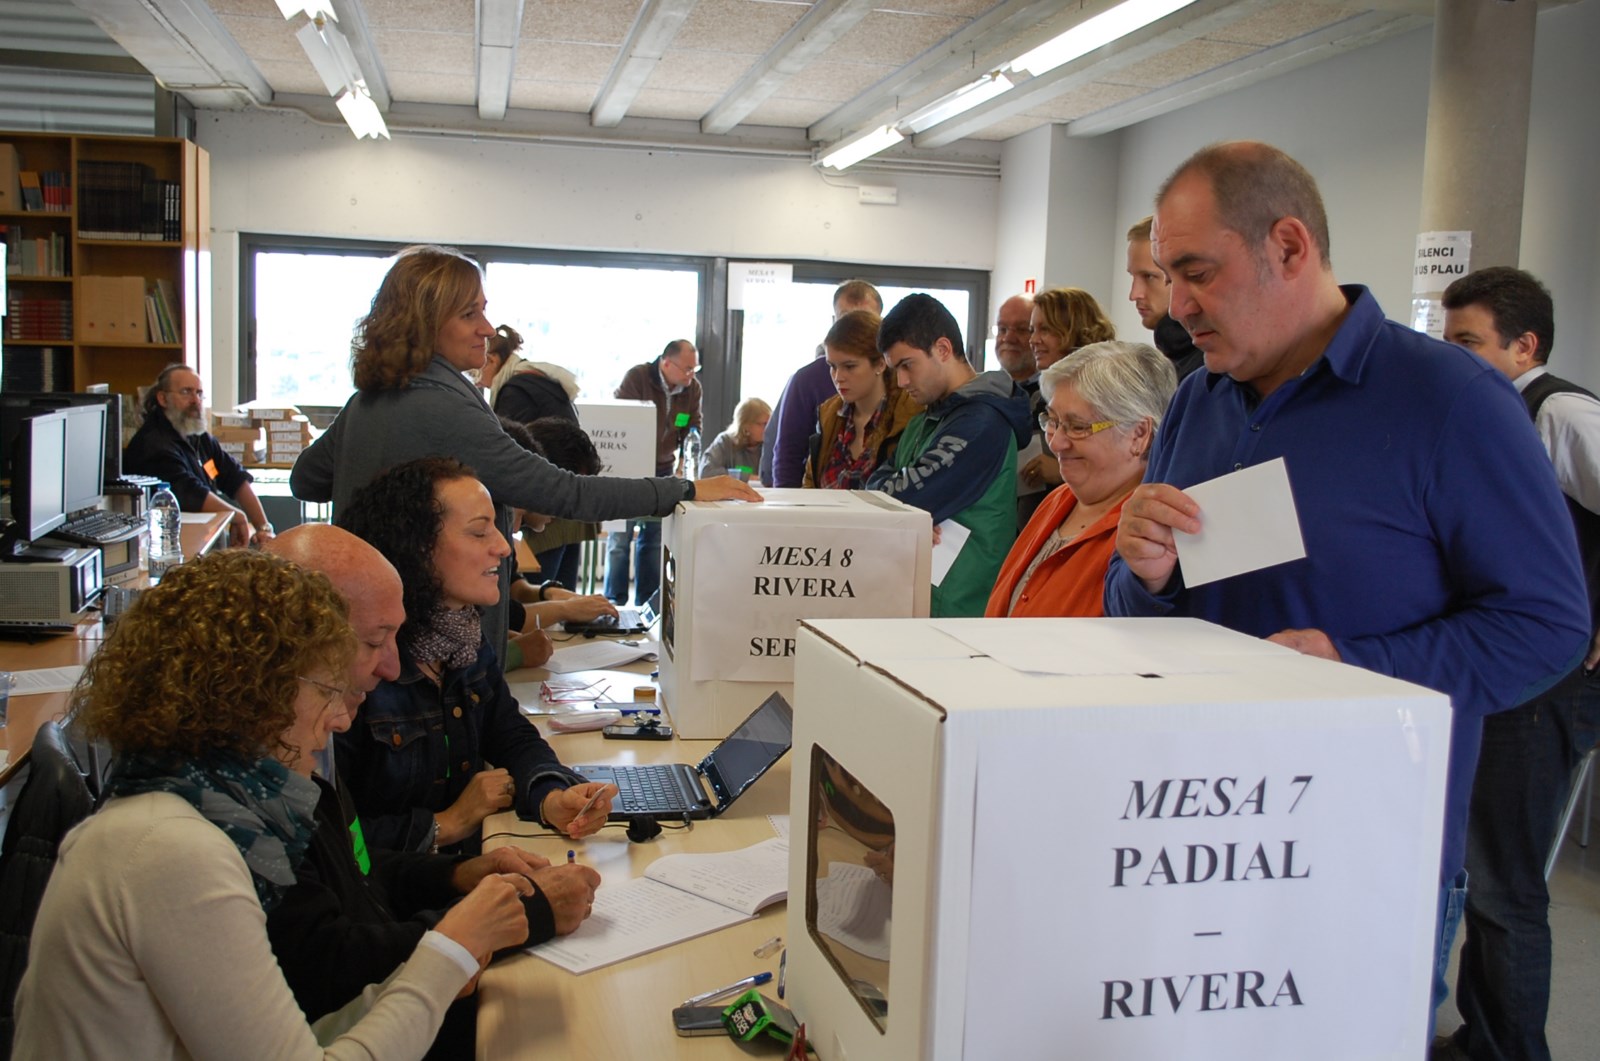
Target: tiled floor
1573	1028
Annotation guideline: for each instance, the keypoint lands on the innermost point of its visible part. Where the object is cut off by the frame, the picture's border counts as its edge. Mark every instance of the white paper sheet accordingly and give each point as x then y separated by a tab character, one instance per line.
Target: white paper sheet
1248	522
599	654
952	536
48	680
633	918
853	908
1109	646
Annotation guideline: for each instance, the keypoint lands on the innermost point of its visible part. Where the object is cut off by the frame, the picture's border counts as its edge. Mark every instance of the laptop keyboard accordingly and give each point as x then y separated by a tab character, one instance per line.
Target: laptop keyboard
648	789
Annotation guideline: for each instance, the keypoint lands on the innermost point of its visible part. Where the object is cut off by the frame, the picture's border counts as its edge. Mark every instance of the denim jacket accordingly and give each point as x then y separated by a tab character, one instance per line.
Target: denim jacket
413	747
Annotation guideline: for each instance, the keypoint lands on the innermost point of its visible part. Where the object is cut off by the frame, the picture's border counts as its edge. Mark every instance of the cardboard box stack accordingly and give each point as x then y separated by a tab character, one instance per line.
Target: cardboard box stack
239	436
287	434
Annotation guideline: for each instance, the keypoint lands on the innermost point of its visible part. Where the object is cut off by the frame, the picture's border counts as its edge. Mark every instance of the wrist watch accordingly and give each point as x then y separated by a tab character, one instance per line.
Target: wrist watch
689	489
433	838
546	586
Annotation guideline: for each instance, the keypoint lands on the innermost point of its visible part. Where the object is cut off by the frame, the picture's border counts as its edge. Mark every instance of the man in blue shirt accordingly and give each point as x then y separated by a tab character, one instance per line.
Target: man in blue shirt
1438	549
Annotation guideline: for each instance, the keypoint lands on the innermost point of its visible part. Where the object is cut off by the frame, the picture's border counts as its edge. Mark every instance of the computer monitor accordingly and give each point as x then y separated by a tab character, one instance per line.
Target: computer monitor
38	478
14	405
85	466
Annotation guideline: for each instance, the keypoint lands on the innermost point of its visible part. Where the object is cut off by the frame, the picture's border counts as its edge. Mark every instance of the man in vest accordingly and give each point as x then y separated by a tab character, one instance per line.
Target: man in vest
1525	770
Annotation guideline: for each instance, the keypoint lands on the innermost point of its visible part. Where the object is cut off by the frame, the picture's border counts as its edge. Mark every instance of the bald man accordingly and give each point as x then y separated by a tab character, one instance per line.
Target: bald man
355	914
1012	330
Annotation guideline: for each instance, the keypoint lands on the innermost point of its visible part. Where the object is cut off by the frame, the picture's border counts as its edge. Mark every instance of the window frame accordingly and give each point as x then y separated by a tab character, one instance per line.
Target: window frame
720	374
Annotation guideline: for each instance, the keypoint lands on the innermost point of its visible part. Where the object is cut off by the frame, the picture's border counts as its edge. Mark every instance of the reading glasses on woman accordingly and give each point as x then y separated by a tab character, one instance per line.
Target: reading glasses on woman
1075	431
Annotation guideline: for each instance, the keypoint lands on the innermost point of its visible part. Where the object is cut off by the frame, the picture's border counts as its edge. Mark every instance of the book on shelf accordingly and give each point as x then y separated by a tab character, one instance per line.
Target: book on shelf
37	319
32	192
111	199
10	184
163	328
41	368
35	256
56	190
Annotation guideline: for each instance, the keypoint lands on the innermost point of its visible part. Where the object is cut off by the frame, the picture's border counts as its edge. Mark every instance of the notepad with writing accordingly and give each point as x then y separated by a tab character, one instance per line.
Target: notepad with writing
678	898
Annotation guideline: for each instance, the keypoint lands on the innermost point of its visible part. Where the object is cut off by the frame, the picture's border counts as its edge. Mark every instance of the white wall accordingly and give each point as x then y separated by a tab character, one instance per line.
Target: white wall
1561	209
277	173
1356	122
1024	204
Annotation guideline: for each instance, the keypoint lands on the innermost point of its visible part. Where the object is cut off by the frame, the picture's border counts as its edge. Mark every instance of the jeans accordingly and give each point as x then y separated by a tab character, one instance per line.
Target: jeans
561	564
1525	774
1452	898
647	560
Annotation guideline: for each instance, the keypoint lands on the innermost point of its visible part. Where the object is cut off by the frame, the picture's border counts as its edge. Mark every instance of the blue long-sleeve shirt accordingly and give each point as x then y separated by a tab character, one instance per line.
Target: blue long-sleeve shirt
1438	548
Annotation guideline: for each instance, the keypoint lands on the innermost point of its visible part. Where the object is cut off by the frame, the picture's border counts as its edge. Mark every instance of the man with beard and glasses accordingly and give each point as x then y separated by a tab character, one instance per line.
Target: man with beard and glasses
172	444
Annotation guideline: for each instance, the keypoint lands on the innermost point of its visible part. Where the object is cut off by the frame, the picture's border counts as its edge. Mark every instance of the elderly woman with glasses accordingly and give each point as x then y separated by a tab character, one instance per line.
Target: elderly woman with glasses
1103	405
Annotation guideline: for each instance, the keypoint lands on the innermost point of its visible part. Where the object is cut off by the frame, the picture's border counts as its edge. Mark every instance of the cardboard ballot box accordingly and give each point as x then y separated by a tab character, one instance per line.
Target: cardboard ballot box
736	578
1108	839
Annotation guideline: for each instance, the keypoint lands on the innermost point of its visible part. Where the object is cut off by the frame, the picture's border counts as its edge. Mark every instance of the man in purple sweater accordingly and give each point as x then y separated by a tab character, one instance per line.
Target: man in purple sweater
795	416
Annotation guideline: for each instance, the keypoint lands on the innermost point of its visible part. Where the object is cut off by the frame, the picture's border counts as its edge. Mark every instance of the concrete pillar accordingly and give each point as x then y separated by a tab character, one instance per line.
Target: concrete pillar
1475	156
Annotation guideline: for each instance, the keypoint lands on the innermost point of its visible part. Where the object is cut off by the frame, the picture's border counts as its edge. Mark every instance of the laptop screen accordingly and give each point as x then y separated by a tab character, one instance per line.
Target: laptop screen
738	762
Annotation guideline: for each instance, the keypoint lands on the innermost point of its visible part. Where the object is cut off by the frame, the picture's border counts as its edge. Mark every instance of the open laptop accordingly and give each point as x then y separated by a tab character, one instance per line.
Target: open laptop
676	791
627	620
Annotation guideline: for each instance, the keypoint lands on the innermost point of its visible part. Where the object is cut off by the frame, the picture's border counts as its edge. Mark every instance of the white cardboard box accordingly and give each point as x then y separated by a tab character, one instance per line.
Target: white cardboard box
736	579
1064	884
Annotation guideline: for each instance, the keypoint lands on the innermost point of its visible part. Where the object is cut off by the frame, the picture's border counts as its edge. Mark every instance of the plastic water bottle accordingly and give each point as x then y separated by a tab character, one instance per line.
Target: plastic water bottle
166	543
691	454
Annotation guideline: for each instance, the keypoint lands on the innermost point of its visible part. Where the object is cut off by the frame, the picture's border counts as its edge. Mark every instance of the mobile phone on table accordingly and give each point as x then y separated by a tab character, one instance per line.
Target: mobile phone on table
698	1020
629	730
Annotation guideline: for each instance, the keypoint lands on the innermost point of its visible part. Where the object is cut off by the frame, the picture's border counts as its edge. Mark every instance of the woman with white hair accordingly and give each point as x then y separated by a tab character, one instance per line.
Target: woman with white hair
1103	405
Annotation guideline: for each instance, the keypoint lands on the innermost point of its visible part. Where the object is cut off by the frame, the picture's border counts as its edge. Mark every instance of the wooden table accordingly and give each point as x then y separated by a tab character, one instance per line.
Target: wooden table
28	713
530	1008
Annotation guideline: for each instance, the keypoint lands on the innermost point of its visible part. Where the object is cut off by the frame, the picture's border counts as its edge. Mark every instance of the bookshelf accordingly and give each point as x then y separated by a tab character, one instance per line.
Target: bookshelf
82	319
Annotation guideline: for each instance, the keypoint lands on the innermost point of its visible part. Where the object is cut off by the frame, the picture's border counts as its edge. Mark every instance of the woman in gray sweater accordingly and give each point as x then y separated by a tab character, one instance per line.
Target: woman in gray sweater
426	327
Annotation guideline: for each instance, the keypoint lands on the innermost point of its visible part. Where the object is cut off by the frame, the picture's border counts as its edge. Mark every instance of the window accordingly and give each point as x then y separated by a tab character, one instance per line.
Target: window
306	307
784	325
597	321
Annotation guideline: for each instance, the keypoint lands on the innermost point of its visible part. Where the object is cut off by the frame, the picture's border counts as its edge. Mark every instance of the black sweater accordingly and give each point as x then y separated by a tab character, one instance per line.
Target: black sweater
337	930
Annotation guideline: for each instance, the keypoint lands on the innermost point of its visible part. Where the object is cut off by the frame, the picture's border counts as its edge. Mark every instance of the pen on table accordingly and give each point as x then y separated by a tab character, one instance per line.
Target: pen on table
640	710
572	856
783	968
739	985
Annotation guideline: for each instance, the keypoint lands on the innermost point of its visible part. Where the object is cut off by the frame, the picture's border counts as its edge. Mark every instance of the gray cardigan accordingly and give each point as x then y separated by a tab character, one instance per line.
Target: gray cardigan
440	414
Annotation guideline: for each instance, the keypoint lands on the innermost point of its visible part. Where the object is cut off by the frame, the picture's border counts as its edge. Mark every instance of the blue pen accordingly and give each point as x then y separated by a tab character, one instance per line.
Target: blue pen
639	710
739	985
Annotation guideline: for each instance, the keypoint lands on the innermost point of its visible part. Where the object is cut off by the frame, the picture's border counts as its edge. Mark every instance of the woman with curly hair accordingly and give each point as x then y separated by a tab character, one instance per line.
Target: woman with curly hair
416	759
740	445
214	691
858	428
1064	319
427	327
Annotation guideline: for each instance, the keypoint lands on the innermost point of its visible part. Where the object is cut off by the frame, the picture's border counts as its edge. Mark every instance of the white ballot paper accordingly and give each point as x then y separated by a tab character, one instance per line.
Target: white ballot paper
952	536
599	654
1247	522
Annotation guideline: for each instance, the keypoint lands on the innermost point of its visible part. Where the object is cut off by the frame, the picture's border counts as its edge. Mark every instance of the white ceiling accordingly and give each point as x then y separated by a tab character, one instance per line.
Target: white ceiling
733	71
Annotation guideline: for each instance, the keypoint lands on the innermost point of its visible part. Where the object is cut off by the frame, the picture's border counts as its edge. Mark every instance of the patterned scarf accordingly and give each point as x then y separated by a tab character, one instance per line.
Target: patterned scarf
449	634
842	471
263	807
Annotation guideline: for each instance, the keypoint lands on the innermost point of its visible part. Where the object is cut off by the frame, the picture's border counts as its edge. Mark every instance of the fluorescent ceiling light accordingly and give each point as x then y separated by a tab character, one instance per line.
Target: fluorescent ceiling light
960	101
1094	33
314	9
362	115
323	58
336	64
848	153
